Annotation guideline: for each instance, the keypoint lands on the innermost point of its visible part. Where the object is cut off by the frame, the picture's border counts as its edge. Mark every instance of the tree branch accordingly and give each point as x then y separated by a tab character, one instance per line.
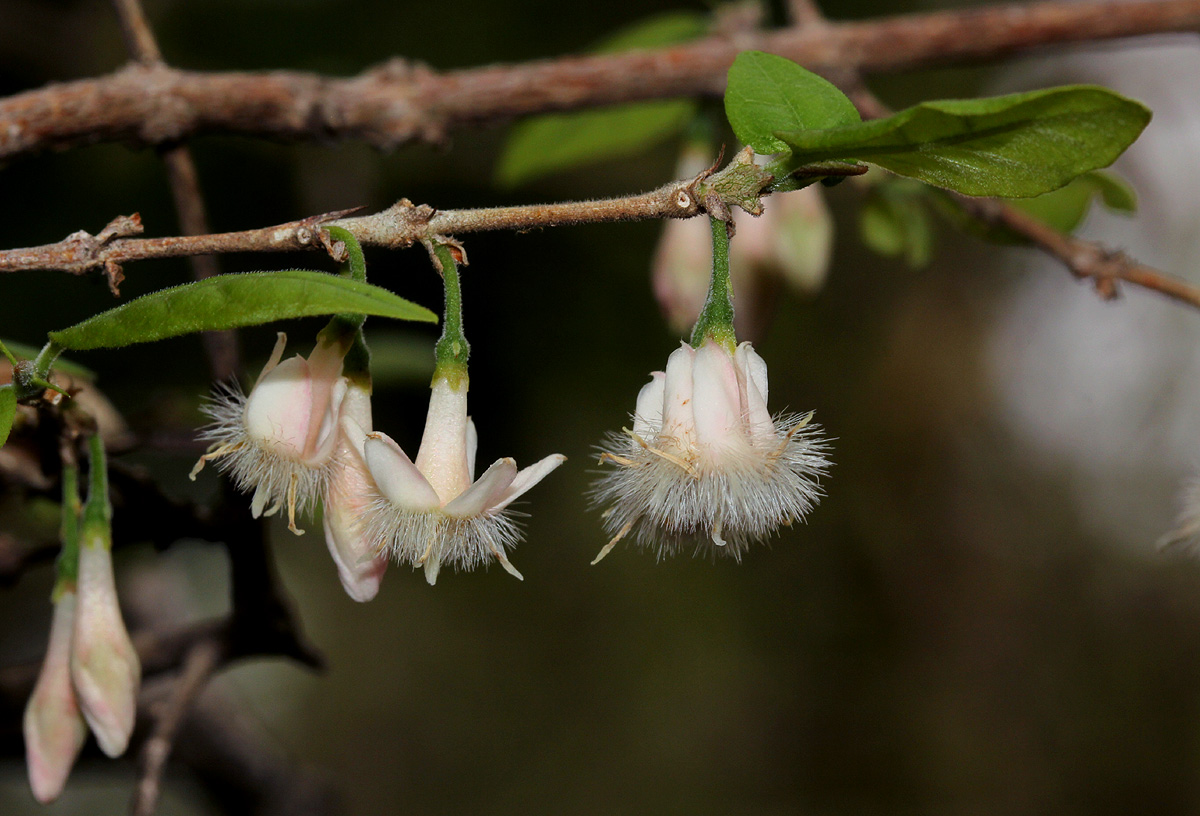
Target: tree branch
401	102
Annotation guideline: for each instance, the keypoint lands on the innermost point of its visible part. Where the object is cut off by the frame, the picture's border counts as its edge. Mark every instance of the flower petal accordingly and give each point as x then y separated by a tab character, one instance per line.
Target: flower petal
276	356
528	477
328	386
53	725
472	447
104	666
359	562
752	380
716	405
396	476
443	454
279	409
677	394
486	492
648	415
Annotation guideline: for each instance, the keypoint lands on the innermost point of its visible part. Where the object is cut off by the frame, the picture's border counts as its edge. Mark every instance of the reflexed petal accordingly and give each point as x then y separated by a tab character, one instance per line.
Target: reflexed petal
528	477
647	416
443	454
322	443
485	493
677	393
279	409
752	375
53	725
396	476
716	401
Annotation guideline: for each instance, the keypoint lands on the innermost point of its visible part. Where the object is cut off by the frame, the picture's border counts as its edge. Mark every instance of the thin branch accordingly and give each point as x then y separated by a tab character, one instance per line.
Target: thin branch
202	660
221	348
401	225
1086	260
401	102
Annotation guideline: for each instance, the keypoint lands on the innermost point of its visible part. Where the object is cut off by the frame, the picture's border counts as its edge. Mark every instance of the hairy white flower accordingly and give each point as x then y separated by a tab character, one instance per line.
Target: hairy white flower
348	500
280	440
705	465
434	511
54	726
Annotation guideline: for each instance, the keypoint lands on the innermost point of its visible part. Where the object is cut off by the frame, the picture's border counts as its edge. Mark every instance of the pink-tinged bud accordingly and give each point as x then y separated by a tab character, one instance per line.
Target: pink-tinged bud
104	666
681	270
279	440
801	237
54	726
348	501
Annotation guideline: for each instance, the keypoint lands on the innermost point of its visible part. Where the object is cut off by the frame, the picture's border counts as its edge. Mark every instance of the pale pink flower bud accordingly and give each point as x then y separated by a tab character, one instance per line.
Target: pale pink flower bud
54	726
348	500
706	465
280	440
104	666
434	511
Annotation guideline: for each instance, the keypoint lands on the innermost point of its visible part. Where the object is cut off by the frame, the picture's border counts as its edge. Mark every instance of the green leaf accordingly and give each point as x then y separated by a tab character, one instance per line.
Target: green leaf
766	94
232	301
895	223
1013	146
546	144
1065	208
8	411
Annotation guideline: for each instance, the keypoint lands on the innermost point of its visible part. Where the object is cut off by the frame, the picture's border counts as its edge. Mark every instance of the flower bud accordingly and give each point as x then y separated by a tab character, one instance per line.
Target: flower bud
104	666
54	726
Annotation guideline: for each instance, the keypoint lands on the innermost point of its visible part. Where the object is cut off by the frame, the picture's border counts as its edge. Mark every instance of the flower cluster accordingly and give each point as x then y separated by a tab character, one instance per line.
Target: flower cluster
304	437
91	674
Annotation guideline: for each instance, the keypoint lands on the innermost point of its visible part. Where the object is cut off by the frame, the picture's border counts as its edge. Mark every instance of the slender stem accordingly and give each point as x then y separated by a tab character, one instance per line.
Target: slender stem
452	349
67	565
716	317
97	513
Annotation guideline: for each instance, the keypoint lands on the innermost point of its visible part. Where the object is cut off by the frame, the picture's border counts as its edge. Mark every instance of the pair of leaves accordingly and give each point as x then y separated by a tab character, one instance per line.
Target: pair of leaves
547	144
1017	145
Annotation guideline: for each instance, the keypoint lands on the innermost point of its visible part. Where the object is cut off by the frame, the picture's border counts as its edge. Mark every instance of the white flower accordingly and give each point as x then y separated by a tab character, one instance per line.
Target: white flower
706	465
280	440
348	499
434	511
54	726
104	666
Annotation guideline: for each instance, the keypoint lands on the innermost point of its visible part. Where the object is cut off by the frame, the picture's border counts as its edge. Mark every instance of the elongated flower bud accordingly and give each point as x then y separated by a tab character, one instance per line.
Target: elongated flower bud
54	726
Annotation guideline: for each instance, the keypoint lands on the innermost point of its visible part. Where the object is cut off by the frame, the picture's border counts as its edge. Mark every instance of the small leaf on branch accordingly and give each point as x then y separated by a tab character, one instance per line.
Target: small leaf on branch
894	222
233	301
766	94
546	144
1065	208
8	411
1013	146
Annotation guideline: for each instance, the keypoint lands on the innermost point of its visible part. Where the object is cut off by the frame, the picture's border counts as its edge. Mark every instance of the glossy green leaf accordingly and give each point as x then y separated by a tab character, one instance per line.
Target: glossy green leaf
232	301
1013	146
895	223
546	144
8	411
766	94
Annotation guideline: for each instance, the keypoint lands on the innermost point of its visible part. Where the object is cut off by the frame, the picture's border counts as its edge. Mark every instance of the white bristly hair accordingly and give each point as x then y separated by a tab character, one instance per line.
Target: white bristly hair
672	497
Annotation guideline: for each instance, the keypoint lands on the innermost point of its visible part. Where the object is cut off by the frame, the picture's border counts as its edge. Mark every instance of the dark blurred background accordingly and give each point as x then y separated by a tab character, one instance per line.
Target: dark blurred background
975	619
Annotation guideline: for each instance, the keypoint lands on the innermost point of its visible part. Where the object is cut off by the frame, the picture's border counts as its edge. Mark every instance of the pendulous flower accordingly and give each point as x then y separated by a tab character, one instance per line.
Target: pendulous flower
434	512
104	666
348	499
54	726
280	440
